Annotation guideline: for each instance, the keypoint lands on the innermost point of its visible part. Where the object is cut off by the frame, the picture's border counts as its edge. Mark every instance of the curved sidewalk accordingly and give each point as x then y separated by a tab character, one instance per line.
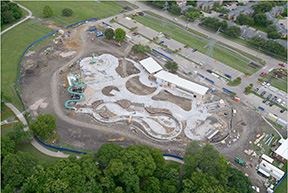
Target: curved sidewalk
21	21
34	142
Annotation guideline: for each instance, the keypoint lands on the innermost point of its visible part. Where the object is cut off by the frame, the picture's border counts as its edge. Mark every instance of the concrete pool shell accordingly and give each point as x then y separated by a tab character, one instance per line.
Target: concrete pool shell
166	123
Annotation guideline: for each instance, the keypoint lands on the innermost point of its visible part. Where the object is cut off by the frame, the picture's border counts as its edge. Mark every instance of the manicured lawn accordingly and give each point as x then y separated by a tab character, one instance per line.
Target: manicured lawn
81	10
280	83
14	43
220	53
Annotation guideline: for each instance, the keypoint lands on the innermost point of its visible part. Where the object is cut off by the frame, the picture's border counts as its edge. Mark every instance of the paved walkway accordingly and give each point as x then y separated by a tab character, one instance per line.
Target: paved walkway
19	22
34	142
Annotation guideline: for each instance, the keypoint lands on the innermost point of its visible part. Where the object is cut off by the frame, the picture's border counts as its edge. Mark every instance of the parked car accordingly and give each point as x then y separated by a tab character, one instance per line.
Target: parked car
269	96
274	98
282	65
263	93
263	74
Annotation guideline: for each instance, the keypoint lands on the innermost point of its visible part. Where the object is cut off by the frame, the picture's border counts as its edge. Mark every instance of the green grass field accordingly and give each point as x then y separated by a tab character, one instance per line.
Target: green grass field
280	83
81	10
220	53
14	43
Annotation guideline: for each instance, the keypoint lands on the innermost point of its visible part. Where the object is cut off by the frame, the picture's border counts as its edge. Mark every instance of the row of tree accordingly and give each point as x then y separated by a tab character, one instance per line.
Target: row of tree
118	35
10	12
113	169
270	47
215	24
191	14
48	12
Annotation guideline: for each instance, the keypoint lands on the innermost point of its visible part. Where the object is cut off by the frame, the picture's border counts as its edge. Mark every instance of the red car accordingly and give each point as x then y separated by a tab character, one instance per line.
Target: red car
263	74
282	65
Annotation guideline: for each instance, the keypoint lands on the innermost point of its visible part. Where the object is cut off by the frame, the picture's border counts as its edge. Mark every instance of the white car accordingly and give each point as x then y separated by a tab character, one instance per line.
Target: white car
256	188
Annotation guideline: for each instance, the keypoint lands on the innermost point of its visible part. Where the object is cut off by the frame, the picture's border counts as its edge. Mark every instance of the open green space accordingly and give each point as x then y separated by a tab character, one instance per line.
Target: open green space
280	83
14	43
283	185
81	10
195	41
5	26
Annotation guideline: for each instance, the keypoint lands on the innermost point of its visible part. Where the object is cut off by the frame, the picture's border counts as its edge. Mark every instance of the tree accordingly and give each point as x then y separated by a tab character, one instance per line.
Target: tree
7	146
106	153
260	19
272	32
47	12
233	31
10	12
214	23
171	66
120	35
284	13
44	126
262	7
238	182
243	19
192	14
109	33
140	49
16	168
248	89
19	136
67	12
175	9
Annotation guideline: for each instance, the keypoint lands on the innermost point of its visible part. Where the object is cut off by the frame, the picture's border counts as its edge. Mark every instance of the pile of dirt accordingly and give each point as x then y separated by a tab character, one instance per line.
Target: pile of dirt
126	68
107	90
182	102
136	87
125	104
152	110
105	113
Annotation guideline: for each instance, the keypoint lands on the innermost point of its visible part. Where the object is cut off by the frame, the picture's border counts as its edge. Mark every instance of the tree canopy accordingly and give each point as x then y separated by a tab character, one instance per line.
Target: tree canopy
135	169
243	19
67	12
44	126
140	49
47	12
120	35
171	66
109	33
10	12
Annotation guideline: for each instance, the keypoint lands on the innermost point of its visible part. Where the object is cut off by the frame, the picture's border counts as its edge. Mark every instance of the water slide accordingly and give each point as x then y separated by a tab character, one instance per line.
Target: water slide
76	90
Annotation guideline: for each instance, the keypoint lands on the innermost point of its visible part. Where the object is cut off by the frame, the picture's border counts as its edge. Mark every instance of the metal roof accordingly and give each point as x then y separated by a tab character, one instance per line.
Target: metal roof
181	82
272	170
150	65
282	150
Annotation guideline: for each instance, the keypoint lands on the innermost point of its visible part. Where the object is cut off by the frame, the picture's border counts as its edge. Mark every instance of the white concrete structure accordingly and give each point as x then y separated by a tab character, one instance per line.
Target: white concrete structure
267	158
269	170
181	83
282	150
150	65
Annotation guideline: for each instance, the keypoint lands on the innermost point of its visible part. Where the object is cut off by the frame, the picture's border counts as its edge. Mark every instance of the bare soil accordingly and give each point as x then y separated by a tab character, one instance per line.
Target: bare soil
107	90
135	86
126	68
182	102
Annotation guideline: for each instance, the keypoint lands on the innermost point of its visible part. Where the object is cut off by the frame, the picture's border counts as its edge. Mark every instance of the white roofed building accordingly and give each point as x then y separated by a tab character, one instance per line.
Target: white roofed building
281	153
268	170
164	77
151	65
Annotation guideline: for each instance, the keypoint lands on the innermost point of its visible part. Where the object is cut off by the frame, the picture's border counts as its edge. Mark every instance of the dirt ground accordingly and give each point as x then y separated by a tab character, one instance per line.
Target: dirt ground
36	85
182	102
135	86
107	90
126	68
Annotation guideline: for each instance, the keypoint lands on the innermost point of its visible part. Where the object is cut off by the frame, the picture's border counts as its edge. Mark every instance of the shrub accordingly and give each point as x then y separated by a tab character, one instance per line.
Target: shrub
67	12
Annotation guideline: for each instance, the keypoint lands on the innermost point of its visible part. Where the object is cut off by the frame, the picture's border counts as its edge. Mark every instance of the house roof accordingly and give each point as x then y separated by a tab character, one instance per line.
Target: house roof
150	65
181	82
282	150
